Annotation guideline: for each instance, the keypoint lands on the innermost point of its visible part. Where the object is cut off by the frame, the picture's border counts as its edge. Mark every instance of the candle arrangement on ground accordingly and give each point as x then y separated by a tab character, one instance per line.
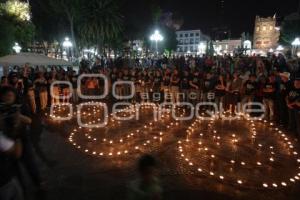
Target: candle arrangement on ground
120	138
257	155
61	112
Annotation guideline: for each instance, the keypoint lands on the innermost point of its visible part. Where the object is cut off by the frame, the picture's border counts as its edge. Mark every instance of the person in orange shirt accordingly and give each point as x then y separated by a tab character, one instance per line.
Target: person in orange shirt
91	86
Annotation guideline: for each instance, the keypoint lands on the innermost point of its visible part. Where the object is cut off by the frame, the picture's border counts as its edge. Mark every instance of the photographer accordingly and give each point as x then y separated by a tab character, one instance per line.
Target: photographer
10	151
293	103
13	126
10	145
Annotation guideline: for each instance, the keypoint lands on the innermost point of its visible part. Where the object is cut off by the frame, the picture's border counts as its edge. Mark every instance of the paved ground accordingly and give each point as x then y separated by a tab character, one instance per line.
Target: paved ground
78	176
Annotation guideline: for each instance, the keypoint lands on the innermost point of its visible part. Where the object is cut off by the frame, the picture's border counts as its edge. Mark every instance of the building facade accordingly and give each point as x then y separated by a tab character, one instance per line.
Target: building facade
191	42
266	34
222	47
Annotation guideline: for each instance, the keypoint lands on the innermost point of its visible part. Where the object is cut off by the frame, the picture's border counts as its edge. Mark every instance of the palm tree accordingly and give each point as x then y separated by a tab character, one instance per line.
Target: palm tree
101	22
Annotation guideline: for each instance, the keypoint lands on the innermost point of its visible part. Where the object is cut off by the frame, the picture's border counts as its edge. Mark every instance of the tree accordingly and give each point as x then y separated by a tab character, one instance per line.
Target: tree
156	13
17	9
15	26
290	29
71	9
170	39
48	21
6	35
101	22
139	18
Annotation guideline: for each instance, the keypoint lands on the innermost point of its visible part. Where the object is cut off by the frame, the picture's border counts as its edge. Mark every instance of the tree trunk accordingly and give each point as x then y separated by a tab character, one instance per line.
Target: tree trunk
71	20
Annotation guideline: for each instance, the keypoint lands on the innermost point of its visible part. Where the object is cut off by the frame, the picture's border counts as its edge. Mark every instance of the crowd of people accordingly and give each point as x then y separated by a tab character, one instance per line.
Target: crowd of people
225	80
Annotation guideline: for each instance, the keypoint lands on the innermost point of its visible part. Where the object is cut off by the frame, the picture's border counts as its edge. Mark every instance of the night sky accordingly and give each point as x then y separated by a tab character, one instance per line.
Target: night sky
239	15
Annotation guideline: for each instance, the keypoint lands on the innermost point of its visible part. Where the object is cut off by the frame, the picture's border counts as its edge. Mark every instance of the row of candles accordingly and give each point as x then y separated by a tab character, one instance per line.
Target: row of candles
185	149
117	145
153	140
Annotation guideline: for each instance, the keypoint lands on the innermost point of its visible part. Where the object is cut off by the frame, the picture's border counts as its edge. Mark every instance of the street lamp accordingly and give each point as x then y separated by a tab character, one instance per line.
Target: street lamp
17	48
67	44
247	46
280	48
202	47
157	37
295	44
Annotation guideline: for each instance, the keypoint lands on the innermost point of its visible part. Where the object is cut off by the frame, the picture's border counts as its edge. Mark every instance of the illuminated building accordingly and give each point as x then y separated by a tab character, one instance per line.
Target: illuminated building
266	34
189	41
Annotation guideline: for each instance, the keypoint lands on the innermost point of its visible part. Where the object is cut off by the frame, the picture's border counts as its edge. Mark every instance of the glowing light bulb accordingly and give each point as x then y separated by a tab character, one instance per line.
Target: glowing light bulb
265	185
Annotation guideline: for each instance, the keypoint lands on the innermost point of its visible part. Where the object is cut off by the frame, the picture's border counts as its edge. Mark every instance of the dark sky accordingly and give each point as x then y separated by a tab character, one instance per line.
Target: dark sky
239	15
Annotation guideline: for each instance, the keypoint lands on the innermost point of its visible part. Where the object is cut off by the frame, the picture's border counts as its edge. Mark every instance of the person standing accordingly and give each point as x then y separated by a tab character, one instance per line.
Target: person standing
10	152
235	92
66	90
134	80
113	77
285	86
10	149
195	87
175	82
55	88
73	79
293	103
185	85
125	87
119	89
91	84
220	91
157	85
41	89
166	85
147	185
145	84
269	97
208	88
250	90
11	145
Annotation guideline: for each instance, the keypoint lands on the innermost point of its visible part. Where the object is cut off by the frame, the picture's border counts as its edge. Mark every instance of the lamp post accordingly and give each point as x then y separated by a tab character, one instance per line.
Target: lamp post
279	48
157	37
295	44
67	44
202	48
17	48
